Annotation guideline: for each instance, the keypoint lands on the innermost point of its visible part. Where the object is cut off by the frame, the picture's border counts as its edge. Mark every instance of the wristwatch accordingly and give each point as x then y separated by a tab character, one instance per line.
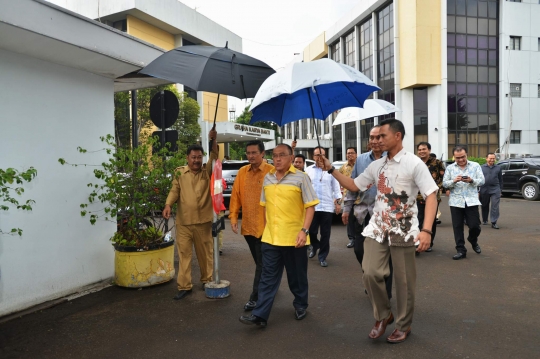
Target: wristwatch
331	170
305	231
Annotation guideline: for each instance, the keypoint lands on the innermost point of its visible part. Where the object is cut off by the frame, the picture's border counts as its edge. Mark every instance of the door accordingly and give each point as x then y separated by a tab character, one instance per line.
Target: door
512	175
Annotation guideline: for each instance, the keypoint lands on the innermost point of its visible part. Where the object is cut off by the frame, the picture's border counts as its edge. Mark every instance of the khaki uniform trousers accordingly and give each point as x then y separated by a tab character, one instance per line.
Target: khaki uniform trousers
376	268
200	236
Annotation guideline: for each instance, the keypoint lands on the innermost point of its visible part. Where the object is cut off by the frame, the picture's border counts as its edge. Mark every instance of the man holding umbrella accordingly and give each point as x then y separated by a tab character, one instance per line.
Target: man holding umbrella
393	229
191	191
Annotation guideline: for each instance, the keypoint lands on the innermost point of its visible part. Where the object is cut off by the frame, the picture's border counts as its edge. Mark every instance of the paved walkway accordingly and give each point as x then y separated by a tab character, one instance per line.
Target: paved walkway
485	306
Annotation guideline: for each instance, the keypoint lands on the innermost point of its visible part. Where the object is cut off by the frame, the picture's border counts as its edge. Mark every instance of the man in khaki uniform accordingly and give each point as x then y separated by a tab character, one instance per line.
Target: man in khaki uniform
191	191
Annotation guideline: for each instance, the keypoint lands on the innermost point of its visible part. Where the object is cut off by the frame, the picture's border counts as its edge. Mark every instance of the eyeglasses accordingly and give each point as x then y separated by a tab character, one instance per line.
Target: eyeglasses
280	155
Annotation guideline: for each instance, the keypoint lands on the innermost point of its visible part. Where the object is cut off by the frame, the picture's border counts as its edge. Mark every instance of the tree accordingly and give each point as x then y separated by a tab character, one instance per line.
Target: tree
9	177
186	125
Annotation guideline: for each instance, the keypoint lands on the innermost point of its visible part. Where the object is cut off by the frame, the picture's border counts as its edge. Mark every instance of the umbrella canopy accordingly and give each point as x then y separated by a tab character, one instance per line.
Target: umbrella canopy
310	90
372	108
214	69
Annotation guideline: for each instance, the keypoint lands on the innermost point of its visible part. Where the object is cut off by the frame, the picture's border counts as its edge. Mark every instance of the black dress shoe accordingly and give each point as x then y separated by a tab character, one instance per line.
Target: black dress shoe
494	225
477	249
300	314
181	294
324	264
438	221
312	253
459	256
253	319
351	244
250	305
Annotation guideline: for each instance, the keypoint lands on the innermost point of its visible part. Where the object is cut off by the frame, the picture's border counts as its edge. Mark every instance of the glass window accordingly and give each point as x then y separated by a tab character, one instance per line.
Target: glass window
471	57
472	25
349	49
515	43
539	91
461	24
515	137
472	7
538	136
483	75
515	165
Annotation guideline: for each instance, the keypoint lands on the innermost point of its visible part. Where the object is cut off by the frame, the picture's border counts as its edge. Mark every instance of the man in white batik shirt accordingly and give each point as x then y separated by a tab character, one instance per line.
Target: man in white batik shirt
393	228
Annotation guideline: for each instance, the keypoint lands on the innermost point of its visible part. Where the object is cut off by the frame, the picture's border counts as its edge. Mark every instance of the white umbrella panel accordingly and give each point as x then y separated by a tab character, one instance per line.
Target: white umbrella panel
372	108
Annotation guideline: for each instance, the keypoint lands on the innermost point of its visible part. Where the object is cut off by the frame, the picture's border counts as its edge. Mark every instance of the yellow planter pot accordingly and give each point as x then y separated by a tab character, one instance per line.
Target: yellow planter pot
143	269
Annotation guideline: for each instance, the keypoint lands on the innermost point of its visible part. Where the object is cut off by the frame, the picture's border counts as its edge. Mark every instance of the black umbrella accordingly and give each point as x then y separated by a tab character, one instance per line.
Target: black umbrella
213	69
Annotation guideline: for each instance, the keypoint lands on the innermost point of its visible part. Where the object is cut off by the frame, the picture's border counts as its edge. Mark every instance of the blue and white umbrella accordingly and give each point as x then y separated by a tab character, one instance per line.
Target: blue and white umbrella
310	90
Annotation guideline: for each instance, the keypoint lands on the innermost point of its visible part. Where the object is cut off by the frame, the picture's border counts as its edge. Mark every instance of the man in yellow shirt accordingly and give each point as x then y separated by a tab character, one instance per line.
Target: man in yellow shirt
289	199
246	195
191	191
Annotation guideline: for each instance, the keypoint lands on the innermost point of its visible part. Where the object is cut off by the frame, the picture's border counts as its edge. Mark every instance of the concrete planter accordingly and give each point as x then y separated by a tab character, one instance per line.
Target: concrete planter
136	269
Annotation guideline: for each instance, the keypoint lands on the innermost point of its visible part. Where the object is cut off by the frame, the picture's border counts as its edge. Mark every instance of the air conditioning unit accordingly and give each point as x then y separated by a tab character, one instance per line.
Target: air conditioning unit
527	155
513	155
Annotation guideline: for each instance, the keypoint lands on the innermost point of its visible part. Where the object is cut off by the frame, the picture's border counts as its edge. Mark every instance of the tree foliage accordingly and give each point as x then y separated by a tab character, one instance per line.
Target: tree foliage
11	181
186	125
131	197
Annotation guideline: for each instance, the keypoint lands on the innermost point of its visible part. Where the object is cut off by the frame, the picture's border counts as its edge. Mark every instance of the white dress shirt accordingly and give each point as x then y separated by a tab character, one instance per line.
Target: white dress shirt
326	187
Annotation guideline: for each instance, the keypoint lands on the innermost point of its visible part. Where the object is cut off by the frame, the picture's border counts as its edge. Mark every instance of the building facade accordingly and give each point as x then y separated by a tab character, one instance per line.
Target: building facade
461	71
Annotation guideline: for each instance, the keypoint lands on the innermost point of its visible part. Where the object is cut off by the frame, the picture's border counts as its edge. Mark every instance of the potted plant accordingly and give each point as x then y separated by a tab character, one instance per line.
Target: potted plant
132	187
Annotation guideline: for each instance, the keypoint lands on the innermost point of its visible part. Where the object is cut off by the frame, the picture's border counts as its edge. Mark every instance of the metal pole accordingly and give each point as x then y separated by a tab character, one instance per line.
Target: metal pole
134	124
162	119
216	241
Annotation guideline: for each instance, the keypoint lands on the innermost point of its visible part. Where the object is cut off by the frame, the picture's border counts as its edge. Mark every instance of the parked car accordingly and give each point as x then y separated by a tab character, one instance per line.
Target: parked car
521	175
229	172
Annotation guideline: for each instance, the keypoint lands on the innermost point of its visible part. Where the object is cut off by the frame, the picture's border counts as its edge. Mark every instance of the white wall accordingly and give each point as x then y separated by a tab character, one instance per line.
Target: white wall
48	110
520	114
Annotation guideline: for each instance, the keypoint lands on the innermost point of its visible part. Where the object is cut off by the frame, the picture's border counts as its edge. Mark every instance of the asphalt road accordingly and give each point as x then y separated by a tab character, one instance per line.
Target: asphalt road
485	306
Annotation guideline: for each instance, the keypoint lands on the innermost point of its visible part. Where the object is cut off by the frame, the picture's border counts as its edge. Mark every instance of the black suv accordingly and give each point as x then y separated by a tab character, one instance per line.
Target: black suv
521	175
229	172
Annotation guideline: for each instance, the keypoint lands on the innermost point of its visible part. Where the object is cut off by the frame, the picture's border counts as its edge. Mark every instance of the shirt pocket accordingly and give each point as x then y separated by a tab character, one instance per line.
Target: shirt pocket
404	184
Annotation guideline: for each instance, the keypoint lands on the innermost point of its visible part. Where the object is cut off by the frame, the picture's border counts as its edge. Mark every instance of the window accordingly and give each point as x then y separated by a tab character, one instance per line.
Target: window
515	136
517	165
335	53
539	42
515	43
515	90
349	49
538	136
538	91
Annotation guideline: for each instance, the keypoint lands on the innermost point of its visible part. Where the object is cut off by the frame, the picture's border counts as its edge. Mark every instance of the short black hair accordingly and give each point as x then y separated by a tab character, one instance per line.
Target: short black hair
195	147
424	144
288	147
351	148
490	153
320	148
459	148
432	155
301	156
395	125
257	143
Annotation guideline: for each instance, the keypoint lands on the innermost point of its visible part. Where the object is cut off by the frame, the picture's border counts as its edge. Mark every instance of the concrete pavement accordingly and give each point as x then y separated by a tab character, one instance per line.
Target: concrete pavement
485	306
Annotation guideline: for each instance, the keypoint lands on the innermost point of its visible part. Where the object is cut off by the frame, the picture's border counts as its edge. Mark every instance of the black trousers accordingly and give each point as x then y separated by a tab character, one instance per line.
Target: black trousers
471	215
351	225
421	213
359	252
322	220
275	258
254	244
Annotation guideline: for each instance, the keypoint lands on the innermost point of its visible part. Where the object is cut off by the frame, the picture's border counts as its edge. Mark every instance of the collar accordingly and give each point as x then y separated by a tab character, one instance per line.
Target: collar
399	155
373	157
291	169
261	166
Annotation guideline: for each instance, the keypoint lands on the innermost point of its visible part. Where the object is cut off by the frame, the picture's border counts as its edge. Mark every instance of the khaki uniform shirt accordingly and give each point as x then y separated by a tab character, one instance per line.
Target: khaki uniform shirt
191	191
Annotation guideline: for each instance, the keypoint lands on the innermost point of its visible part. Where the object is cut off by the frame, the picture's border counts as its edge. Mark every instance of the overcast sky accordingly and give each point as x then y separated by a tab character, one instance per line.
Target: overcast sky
273	30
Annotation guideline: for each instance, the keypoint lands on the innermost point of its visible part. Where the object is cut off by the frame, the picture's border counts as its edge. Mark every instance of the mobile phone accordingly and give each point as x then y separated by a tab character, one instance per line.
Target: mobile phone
295	138
464	177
